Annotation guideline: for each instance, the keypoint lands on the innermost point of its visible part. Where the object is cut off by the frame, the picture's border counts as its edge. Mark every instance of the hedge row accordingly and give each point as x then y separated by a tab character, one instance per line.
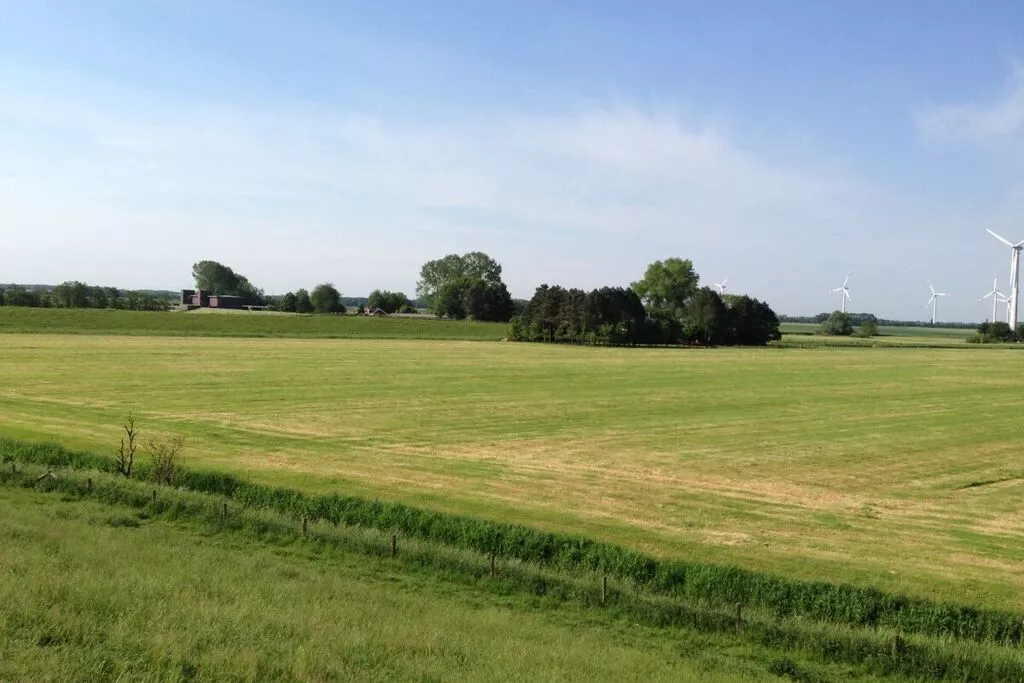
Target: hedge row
781	596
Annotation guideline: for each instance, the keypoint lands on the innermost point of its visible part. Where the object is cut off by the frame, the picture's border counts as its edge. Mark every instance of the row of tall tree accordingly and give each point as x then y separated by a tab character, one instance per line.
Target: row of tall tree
390	302
860	319
74	294
325	298
666	307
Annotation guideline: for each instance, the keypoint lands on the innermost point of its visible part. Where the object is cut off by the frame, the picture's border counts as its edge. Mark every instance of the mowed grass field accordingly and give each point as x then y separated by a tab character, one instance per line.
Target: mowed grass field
898	468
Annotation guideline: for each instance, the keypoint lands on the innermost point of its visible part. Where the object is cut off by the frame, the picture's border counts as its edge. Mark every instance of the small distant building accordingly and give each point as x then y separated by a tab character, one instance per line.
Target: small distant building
192	299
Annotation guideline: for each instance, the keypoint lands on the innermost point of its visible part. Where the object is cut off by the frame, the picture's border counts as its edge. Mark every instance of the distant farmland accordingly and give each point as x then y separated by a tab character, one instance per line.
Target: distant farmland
958	333
885	467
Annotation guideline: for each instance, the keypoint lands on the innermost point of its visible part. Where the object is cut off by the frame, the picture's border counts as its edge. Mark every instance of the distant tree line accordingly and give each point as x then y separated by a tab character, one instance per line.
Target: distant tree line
858	319
666	307
74	294
389	302
325	298
840	324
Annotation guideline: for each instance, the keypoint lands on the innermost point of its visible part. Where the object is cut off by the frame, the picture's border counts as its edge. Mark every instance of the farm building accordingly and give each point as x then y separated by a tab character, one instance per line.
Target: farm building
192	299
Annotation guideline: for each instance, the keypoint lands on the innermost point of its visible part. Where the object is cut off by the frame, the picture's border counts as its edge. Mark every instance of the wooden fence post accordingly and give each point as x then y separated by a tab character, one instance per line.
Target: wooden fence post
394	544
225	509
739	615
14	467
88	485
492	565
604	588
303	526
154	495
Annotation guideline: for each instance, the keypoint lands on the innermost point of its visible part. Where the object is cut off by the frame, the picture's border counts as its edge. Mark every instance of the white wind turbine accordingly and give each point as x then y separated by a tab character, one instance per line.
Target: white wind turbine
845	292
721	286
996	296
1014	276
934	300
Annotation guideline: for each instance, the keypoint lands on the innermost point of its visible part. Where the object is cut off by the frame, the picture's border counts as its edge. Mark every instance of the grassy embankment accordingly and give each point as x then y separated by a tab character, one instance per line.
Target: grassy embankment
240	324
94	593
177	585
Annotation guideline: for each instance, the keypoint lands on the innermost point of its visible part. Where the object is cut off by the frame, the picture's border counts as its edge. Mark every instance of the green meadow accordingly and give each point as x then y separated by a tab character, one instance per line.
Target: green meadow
896	468
204	323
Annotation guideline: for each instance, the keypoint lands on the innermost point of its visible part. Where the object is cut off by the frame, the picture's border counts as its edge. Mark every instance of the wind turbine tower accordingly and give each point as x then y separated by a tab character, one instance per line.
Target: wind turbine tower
721	286
996	296
845	296
1014	276
934	300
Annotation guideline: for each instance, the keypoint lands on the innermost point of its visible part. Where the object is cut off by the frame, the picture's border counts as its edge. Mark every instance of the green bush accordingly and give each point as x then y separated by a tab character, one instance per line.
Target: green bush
837	325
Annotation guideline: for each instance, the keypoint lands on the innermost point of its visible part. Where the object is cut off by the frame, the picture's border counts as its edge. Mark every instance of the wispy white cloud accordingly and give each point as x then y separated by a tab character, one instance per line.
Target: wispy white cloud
250	181
117	188
987	122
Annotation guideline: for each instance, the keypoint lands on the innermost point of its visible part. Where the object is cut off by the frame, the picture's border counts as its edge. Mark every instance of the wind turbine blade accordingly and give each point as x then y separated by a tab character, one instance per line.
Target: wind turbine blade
1001	239
931	288
846	280
846	293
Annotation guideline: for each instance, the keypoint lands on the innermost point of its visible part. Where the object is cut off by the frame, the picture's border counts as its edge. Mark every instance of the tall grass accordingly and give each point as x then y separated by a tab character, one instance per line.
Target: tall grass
696	582
95	593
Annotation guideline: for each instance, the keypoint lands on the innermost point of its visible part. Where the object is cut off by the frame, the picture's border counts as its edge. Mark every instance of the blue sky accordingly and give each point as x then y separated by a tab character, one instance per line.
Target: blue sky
779	144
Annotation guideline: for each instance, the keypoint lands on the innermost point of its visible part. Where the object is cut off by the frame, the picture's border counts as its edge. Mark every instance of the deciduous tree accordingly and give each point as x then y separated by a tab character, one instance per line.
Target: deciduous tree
71	294
668	286
302	302
220	279
440	272
326	299
837	325
389	302
705	321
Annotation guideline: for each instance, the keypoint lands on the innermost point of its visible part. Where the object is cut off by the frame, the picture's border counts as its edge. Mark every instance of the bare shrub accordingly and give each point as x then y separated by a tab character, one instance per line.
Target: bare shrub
166	454
126	453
